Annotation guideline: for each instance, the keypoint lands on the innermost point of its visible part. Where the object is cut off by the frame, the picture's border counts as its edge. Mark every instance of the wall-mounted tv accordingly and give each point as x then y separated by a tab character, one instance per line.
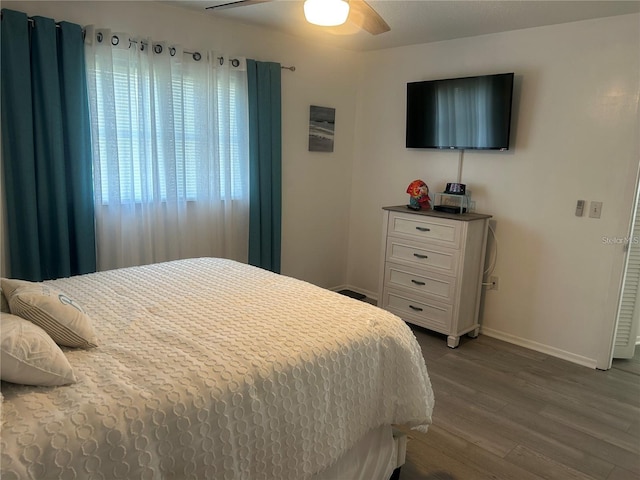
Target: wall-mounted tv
471	113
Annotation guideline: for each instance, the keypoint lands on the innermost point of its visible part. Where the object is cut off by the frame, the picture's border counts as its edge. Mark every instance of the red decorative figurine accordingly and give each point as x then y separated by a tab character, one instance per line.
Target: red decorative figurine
419	192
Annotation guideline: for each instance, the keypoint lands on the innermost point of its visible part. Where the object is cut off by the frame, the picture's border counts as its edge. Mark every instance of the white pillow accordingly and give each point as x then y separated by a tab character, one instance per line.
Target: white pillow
61	317
29	356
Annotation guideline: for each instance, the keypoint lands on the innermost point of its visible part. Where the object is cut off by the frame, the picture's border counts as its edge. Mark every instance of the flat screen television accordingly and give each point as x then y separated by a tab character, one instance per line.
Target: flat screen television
471	113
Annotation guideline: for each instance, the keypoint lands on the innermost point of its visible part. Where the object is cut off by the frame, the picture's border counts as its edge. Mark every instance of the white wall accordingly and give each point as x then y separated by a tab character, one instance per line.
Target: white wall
316	186
576	137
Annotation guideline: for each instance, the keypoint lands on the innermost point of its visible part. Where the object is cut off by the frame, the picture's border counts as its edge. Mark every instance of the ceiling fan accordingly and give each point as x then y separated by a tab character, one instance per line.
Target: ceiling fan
357	12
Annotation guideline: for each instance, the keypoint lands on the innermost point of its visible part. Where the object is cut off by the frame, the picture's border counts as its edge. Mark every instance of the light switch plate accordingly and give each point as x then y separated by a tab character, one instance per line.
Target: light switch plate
580	208
595	210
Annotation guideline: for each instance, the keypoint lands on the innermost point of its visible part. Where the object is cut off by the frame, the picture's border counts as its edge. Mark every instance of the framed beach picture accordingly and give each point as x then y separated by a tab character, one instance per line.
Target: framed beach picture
322	121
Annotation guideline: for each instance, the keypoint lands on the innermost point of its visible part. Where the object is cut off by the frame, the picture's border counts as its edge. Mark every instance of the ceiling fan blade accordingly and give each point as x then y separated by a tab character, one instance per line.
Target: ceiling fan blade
362	14
237	3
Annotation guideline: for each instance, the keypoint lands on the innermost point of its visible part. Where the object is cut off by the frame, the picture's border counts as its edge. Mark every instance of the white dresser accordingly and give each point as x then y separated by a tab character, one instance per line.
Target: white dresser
432	268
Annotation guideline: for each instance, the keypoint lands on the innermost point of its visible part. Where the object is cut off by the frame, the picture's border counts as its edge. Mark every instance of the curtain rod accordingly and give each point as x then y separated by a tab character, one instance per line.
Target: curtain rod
196	55
33	22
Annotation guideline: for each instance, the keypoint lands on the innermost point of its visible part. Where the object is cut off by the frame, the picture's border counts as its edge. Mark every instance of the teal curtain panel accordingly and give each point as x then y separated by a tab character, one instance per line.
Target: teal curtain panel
46	148
265	164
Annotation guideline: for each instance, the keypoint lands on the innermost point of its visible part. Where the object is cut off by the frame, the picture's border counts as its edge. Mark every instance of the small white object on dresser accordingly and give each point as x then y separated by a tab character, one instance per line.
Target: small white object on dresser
432	269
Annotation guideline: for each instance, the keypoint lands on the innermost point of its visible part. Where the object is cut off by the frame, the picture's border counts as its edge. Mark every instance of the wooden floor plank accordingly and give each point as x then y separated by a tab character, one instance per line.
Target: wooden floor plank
475	429
597	429
437	465
607	397
455	387
506	412
621	474
631	365
489	465
544	466
634	429
591	447
516	432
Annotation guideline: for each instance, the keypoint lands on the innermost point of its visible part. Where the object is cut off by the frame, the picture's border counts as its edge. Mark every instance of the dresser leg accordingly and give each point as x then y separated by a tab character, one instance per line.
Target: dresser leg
474	333
452	342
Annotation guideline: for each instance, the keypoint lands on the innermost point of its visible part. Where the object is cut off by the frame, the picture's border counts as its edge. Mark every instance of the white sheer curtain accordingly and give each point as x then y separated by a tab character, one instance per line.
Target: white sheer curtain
170	150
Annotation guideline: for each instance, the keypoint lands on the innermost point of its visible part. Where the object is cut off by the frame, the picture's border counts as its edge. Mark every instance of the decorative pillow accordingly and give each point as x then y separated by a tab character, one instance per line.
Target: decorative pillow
29	356
61	317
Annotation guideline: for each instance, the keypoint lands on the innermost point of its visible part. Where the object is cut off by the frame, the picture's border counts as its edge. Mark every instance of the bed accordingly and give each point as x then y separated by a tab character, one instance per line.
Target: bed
212	369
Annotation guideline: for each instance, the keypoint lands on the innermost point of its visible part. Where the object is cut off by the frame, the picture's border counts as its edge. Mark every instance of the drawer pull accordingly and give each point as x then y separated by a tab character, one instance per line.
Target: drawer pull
418	255
417	282
423	229
417	309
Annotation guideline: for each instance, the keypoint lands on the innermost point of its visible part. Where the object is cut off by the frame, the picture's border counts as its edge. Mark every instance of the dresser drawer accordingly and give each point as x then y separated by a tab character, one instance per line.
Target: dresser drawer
420	281
421	228
418	254
433	315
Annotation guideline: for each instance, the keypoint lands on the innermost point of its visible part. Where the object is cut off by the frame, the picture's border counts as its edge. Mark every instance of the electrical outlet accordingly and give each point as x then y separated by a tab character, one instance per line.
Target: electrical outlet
495	283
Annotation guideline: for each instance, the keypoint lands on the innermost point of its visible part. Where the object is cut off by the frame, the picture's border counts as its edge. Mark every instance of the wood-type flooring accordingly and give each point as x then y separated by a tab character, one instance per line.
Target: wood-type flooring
506	412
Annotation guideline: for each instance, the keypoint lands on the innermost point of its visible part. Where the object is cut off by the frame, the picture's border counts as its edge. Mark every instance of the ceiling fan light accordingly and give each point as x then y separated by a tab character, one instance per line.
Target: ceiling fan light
326	13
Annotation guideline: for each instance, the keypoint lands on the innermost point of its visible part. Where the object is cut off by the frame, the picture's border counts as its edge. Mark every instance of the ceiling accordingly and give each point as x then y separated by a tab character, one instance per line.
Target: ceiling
418	21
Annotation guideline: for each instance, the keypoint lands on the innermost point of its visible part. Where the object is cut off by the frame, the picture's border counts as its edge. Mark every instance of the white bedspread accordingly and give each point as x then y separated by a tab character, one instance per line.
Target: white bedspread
212	369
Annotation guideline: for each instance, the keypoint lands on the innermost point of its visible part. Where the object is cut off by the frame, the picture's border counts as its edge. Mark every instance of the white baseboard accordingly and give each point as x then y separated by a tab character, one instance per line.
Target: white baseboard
539	347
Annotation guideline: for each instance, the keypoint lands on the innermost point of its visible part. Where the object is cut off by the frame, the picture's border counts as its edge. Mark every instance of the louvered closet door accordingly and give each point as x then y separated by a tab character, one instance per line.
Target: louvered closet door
629	313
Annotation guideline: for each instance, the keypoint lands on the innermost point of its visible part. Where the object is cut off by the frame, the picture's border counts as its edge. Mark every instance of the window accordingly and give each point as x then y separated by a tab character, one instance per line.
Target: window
166	128
170	149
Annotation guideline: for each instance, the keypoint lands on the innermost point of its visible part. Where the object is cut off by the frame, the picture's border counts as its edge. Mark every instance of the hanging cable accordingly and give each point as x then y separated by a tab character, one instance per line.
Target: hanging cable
492	263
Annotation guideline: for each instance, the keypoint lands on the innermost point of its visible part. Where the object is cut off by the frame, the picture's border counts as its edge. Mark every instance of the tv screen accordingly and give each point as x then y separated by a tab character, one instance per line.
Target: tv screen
460	113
